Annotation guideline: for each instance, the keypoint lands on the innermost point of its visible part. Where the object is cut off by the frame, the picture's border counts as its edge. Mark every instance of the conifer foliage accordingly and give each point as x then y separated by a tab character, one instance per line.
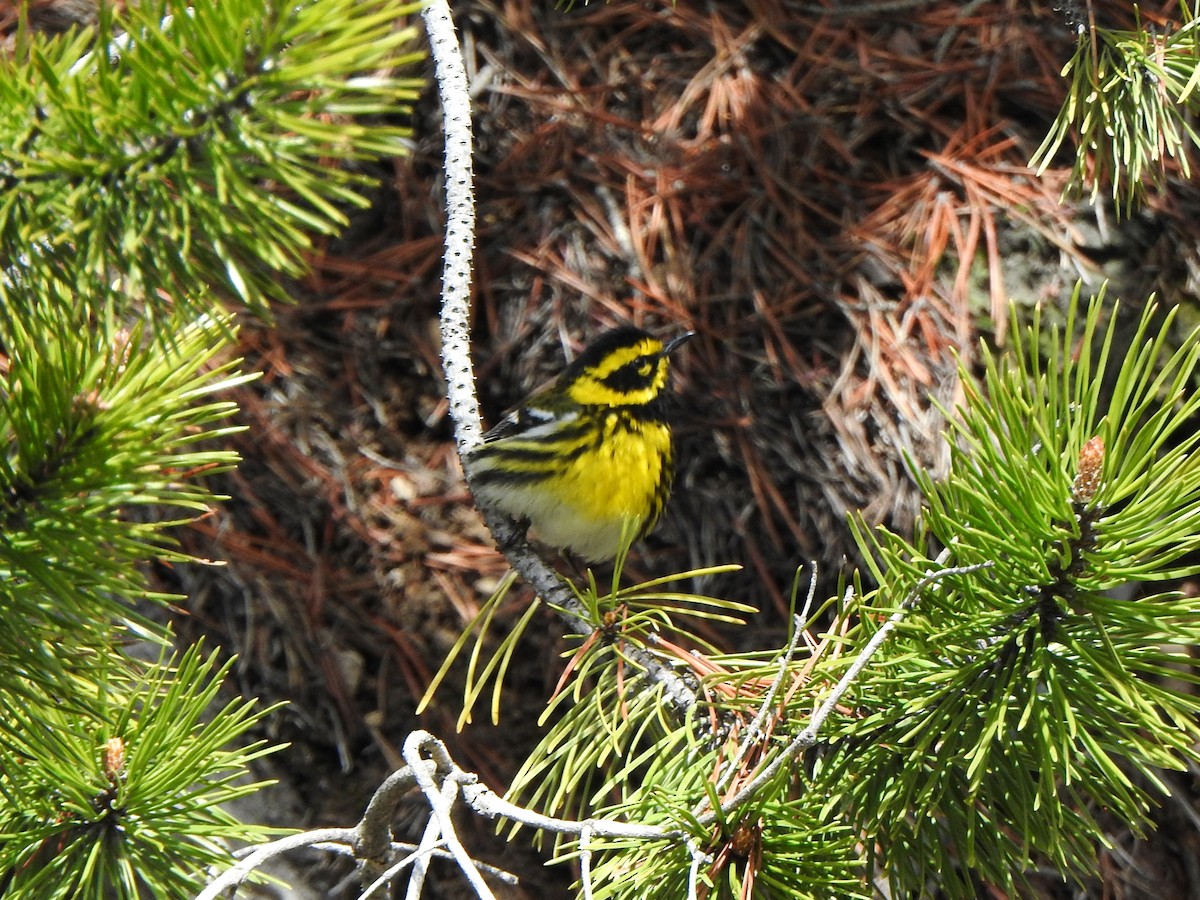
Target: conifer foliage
168	162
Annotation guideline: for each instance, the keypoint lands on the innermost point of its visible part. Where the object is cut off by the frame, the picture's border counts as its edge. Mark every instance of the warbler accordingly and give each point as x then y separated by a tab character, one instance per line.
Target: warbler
588	462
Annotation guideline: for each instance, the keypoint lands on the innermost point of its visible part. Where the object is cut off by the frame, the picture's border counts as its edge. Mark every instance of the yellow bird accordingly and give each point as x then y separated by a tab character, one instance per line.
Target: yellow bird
589	460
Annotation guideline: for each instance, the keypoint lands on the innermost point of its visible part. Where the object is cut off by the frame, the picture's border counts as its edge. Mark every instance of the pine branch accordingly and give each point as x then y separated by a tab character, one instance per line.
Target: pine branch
193	151
105	430
1015	662
196	153
1129	108
92	798
1039	668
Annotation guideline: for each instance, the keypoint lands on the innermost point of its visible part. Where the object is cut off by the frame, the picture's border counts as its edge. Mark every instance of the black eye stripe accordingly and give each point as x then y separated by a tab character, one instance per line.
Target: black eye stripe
629	376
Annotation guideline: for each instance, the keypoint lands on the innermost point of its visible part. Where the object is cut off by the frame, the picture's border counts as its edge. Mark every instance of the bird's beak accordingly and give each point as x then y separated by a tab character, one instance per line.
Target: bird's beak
675	343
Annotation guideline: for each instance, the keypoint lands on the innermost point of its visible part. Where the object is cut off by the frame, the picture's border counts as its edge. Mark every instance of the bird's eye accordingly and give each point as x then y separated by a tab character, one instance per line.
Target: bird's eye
645	369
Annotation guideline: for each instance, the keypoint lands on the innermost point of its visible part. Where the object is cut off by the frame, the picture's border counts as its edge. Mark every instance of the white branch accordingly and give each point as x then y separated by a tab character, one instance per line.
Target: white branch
754	730
231	878
441	800
460	225
430	839
483	800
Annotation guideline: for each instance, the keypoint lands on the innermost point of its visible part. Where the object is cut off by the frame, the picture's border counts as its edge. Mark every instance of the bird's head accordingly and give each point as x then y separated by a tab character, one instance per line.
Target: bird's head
622	367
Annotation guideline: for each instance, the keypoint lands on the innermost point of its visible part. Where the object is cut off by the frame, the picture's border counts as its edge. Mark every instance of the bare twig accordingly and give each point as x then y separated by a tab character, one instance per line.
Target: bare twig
754	730
429	767
430	838
232	877
441	797
372	836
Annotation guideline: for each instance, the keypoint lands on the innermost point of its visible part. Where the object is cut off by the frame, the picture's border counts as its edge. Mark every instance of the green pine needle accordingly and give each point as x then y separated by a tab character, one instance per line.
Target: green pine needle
1030	693
127	800
207	150
1130	101
108	434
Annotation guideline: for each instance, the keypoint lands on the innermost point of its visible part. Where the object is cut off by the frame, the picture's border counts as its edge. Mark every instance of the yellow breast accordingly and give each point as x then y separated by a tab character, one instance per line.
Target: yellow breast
617	484
621	474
